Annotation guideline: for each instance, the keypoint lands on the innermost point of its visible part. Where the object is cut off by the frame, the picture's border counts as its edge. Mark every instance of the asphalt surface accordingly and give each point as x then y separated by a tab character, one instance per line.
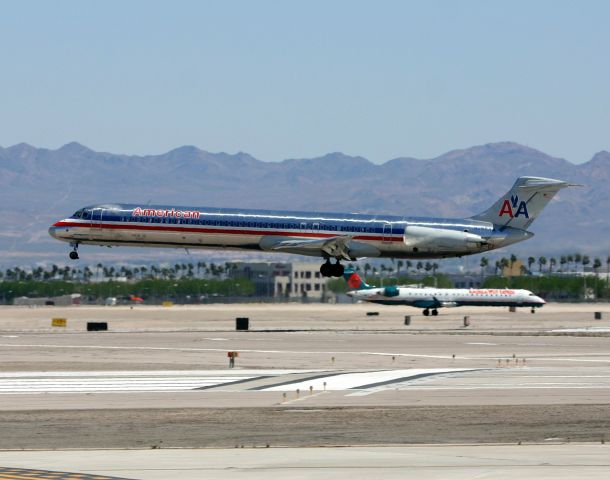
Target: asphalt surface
306	376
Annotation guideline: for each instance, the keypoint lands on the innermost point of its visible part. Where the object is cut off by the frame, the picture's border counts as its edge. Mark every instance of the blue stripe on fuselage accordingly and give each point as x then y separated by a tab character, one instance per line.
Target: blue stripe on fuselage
342	223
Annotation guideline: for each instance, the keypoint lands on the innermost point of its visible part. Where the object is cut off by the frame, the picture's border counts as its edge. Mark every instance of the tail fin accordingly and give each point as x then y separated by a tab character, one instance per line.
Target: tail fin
354	282
523	203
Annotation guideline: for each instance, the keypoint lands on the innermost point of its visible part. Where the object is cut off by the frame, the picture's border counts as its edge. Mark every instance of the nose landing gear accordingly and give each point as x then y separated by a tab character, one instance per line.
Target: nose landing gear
331	269
74	253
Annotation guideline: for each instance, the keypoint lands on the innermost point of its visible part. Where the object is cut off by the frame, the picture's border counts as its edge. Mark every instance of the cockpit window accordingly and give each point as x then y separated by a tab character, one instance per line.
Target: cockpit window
82	213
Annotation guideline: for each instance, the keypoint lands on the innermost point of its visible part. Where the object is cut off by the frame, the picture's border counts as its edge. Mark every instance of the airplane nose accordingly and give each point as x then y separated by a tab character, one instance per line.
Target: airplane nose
53	232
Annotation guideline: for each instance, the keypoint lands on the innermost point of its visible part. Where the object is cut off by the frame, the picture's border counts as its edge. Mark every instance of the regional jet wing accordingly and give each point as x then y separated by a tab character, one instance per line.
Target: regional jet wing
336	247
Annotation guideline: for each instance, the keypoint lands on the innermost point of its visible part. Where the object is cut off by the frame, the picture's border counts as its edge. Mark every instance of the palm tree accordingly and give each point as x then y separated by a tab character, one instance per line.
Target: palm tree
399	265
419	266
597	263
530	262
409	265
484	263
497	266
541	263
513	259
577	260
585	261
503	264
367	267
552	263
87	273
562	261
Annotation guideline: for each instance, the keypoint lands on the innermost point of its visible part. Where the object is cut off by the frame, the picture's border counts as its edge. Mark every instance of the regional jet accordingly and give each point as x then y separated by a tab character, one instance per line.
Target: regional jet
338	236
431	299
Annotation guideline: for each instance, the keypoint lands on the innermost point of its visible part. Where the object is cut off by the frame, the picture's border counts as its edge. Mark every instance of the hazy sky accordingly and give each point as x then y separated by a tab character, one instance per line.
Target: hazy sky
287	79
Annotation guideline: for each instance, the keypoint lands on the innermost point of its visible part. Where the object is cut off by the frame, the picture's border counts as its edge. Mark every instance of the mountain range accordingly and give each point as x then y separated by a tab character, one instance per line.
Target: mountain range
40	185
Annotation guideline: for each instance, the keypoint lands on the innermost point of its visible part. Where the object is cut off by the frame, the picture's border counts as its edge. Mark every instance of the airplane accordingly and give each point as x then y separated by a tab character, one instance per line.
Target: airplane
431	299
339	236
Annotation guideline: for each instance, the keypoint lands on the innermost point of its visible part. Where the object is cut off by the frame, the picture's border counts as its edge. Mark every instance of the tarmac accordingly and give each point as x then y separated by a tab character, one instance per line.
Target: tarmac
533	388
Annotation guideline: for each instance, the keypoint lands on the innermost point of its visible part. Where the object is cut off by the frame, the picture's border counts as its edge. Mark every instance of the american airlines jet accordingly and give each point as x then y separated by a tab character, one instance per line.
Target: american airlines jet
431	299
338	236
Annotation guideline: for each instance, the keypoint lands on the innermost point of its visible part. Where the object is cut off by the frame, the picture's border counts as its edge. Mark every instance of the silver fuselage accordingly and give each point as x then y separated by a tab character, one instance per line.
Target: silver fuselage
242	229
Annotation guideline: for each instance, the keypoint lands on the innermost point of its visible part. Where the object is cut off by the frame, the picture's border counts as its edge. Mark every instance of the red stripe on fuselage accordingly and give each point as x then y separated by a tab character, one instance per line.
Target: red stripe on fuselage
219	230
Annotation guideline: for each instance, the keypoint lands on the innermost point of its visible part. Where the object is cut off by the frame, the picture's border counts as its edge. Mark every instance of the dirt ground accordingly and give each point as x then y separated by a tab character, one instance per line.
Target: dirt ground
259	427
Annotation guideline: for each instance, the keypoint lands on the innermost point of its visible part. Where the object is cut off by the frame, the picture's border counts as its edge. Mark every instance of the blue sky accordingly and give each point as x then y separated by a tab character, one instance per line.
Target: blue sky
300	79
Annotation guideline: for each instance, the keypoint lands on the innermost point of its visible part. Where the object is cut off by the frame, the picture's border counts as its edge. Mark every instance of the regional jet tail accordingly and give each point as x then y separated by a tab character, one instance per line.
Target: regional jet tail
338	236
431	299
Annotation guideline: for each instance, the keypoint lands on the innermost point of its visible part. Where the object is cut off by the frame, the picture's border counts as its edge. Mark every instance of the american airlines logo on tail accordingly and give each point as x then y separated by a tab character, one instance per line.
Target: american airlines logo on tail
514	208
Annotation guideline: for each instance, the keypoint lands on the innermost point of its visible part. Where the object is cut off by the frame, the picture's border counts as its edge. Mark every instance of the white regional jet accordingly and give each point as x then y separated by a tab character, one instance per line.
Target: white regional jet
339	236
431	299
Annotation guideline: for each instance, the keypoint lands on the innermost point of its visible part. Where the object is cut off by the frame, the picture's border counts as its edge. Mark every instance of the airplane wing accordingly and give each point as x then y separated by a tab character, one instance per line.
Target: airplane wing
442	303
336	247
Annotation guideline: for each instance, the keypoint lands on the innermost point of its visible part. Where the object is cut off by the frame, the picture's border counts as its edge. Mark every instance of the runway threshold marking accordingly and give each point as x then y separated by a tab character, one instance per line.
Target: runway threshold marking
360	380
81	382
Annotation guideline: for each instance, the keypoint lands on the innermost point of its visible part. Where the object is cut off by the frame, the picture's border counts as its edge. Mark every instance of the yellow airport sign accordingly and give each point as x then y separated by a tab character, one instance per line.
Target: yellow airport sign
59	322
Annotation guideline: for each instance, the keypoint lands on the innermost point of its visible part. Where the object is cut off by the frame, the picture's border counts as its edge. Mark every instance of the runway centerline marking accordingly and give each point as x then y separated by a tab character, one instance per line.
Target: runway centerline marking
322	352
191	349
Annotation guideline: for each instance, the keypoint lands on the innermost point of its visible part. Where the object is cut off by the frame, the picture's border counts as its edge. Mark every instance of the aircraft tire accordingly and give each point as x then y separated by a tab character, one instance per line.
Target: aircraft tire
426	312
73	255
435	312
325	269
337	270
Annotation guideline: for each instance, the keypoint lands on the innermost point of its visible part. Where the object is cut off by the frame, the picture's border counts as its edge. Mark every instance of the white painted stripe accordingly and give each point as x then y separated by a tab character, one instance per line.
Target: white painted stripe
318	352
582	330
189	349
143	373
512	387
158	381
58	385
355	380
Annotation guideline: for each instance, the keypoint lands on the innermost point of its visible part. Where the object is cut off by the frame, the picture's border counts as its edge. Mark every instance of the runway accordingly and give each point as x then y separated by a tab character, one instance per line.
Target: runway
498	462
306	376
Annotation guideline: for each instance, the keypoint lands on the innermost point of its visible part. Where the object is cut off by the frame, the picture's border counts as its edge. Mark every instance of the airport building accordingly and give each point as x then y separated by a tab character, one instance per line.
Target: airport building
296	280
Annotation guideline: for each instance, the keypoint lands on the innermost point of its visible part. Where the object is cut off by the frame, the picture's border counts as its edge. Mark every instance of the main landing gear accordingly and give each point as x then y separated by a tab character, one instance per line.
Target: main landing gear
331	269
427	312
74	253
